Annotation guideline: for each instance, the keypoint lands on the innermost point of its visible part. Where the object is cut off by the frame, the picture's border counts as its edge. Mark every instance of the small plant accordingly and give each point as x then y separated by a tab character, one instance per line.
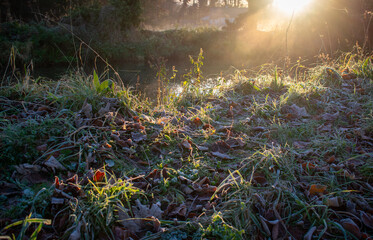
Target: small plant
192	83
99	210
104	87
367	68
276	83
219	229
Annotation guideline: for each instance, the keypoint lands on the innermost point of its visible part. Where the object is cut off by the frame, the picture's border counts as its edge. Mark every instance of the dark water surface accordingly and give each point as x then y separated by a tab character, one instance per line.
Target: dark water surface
141	77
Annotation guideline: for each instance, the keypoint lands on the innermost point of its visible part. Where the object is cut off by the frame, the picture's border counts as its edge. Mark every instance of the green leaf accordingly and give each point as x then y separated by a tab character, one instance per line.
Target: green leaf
105	85
96	81
34	235
256	88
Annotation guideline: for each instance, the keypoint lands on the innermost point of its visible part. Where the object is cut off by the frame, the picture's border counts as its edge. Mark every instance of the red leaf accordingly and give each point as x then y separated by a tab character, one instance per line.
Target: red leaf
197	121
331	159
56	182
308	165
317	189
99	176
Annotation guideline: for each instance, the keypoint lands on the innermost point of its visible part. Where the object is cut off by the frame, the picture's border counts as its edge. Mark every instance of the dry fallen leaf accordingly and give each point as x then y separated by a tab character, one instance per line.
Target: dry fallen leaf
208	127
330	117
221	155
42	148
367	219
317	189
335	202
351	226
220	146
54	164
31	173
138	137
308	165
75	235
331	159
140	212
235	142
299	112
99	176
87	110
104	110
186	144
197	122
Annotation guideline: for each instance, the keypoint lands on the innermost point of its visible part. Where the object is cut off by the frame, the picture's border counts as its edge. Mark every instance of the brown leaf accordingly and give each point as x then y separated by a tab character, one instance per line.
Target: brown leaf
308	165
121	233
264	224
335	202
140	212
220	146
351	226
31	173
235	142
187	145
54	164
325	128
221	155
42	148
367	219
138	137
122	143
203	148
197	122
331	159
44	108
330	117
299	112
87	110
259	178
126	221
104	110
186	189
173	210
208	127
75	235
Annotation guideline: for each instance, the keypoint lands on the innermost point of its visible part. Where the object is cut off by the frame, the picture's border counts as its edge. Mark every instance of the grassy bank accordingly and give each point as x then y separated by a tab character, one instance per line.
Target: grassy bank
255	154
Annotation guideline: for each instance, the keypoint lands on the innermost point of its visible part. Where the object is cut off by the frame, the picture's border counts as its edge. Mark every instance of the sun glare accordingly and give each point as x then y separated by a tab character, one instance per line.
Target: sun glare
289	6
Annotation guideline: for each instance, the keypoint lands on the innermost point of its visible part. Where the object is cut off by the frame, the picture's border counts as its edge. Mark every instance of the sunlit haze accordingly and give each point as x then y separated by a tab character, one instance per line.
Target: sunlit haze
288	6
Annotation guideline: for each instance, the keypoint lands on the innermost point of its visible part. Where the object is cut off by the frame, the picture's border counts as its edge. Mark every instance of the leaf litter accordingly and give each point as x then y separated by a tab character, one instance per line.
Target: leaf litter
287	170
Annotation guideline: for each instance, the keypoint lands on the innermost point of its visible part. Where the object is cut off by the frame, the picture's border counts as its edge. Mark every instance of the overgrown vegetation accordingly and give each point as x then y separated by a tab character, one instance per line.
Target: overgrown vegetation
272	153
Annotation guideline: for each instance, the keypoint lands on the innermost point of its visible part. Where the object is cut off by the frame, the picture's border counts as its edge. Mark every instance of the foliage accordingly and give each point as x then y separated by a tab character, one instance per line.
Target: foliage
35	42
128	12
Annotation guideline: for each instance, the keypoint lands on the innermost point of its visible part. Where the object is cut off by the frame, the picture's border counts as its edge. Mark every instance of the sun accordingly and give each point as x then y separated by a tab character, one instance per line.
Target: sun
289	6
